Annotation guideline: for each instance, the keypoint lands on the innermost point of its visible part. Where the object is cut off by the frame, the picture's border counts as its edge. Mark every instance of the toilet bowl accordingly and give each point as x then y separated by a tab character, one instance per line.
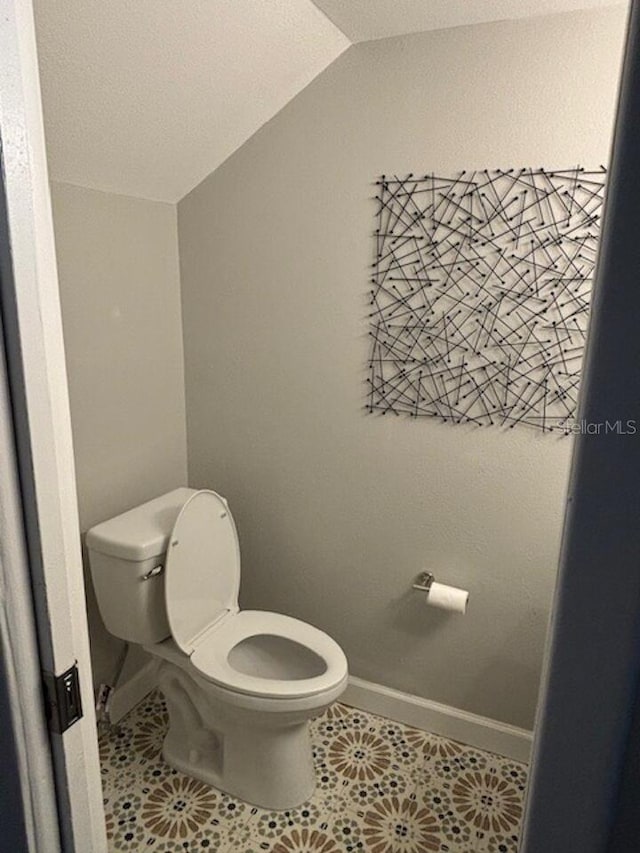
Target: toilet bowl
240	685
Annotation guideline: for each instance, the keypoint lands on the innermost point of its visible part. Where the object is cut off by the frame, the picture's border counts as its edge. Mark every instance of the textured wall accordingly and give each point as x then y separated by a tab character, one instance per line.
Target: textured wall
337	510
120	294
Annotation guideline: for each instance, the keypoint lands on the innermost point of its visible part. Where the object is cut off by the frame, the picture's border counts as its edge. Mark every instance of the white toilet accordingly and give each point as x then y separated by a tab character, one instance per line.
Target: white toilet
240	685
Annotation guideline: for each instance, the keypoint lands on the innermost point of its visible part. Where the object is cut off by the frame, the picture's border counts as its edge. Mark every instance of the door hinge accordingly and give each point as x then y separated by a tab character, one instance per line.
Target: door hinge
62	697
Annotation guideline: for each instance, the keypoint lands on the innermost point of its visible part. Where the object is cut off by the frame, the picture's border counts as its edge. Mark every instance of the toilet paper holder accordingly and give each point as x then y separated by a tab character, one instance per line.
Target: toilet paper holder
423	582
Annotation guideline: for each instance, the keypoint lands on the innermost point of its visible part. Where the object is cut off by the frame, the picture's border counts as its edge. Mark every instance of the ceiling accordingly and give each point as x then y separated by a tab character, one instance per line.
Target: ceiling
364	20
147	98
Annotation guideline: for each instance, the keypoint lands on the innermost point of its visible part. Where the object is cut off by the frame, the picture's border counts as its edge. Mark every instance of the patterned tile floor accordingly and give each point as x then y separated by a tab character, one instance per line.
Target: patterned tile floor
382	787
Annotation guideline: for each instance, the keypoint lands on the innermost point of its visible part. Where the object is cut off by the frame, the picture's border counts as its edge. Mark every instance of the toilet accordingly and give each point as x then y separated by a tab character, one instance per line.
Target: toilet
240	685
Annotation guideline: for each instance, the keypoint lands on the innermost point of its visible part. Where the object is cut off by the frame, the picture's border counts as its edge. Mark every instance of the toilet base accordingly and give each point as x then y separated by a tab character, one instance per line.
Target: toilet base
264	758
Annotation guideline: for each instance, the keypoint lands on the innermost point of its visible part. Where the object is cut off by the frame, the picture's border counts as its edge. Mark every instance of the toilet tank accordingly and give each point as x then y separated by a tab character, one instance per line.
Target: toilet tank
123	551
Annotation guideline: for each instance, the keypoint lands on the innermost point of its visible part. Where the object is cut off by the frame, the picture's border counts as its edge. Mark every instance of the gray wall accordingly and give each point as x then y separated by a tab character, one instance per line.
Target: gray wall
120	293
338	510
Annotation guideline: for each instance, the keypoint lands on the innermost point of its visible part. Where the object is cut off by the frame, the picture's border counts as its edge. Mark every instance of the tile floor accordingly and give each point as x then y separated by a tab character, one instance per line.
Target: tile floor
382	787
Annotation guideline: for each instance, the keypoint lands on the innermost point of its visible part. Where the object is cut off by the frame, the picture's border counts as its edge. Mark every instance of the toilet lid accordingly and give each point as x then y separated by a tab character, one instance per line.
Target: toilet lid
202	567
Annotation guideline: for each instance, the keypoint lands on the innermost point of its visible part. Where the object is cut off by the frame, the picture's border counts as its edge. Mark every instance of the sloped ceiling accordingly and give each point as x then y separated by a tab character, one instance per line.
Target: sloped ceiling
146	98
365	20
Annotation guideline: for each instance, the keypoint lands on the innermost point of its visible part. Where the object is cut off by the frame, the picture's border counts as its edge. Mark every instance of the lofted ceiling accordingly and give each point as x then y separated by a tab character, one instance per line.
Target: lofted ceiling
365	20
147	98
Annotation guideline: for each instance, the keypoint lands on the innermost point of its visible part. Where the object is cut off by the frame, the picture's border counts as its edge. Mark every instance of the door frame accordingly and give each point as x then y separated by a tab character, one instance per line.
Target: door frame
26	821
41	496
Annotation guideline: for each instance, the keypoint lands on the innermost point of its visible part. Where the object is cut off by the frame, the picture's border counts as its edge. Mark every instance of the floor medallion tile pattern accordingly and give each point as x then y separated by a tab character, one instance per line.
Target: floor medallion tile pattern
382	788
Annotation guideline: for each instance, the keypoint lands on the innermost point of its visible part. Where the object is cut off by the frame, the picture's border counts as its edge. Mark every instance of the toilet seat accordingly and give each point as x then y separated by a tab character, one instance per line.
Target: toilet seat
316	653
253	652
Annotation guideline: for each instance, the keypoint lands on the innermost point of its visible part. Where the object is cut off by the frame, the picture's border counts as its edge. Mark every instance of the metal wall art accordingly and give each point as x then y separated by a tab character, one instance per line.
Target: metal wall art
480	295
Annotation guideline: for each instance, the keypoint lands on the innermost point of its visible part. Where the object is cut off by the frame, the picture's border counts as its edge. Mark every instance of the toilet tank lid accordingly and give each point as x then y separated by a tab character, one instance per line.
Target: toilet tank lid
140	533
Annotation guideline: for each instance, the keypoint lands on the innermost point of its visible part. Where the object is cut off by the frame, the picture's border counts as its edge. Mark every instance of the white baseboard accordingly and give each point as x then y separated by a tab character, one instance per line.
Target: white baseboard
470	729
133	690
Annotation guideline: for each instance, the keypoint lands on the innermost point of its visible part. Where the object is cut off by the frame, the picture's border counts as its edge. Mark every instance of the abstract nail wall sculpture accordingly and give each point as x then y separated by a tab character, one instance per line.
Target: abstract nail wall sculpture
480	294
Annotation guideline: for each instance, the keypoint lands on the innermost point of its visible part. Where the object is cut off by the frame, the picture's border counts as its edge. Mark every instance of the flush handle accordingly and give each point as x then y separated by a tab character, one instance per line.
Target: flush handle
153	573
